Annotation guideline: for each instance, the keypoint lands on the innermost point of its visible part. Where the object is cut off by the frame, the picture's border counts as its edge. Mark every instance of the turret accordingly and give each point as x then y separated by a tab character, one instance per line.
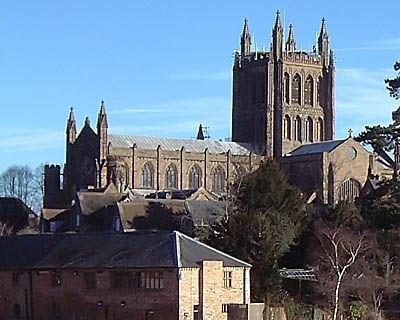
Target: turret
245	40
323	42
200	134
102	126
71	127
290	43
277	38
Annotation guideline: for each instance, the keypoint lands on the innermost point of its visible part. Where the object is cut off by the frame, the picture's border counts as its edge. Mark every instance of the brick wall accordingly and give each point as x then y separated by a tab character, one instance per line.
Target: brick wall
72	300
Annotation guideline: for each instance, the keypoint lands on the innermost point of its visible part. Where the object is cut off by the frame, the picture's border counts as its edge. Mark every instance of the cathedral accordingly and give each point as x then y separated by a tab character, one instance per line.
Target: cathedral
283	107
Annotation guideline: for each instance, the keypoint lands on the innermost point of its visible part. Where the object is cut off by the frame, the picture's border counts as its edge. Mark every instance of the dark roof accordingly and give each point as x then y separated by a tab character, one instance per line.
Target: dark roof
205	212
91	202
14	212
107	250
318	147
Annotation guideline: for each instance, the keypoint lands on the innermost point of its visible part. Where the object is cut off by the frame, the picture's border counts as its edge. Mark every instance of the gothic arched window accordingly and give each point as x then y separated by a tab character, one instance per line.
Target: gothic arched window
218	177
171	177
319	90
286	84
297	129
194	177
320	129
309	129
349	190
296	89
146	177
309	91
287	128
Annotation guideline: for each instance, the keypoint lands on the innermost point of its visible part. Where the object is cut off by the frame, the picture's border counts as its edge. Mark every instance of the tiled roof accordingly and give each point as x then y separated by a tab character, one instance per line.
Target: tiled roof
107	250
318	147
173	144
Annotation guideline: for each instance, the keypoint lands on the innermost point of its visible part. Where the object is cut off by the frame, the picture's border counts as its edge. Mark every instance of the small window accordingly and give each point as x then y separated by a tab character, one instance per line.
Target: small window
224	308
227	279
56	279
151	280
90	280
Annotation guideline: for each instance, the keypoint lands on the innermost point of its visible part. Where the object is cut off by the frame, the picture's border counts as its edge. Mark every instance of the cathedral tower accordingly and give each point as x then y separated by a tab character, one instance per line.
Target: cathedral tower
284	97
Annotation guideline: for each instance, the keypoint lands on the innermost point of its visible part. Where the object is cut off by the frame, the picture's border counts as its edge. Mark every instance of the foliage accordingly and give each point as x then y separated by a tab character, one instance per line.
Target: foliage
357	310
298	311
337	252
394	84
24	183
267	218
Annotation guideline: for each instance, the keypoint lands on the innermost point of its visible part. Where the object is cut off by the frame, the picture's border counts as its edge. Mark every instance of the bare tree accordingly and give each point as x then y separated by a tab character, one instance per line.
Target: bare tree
24	183
339	249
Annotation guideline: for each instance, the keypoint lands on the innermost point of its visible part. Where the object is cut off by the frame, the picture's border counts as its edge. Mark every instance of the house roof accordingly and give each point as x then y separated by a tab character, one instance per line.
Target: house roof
173	144
318	147
14	212
91	202
108	250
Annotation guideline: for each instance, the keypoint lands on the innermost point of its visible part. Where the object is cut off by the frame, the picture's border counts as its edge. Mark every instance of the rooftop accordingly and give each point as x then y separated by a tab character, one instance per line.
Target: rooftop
150	249
174	144
317	147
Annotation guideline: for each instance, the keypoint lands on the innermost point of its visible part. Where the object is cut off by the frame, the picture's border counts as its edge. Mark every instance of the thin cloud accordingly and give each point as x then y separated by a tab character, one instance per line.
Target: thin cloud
17	140
362	99
222	75
375	45
194	106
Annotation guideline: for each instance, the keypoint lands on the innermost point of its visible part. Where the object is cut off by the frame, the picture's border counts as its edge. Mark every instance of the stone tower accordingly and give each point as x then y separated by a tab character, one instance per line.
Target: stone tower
284	97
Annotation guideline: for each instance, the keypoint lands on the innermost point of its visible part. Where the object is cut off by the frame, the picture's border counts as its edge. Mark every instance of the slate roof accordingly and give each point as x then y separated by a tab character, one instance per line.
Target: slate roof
91	202
318	147
14	212
173	144
107	250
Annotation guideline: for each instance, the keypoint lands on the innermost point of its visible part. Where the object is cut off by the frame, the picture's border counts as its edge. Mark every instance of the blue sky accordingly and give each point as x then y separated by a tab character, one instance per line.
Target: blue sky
163	67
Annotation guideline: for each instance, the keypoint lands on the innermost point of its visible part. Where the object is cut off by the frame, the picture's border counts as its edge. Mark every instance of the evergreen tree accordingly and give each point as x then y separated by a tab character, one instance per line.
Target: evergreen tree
383	138
267	217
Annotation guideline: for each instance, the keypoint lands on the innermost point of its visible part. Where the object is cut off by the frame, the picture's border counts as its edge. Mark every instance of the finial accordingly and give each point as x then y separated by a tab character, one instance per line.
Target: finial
71	114
102	103
87	121
278	20
350	132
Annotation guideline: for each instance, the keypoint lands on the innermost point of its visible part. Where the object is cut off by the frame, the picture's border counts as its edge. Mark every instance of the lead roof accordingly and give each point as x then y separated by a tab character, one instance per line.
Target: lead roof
173	144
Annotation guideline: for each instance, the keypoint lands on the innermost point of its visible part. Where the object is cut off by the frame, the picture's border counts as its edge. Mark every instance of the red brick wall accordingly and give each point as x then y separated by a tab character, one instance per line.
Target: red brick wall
73	299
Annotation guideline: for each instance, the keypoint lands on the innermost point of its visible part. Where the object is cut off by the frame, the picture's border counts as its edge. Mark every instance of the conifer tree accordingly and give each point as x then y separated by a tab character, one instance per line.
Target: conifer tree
267	218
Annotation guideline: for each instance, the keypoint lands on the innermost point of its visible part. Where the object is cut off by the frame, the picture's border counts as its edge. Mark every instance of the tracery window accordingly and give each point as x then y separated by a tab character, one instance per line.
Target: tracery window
319	90
218	179
171	177
296	89
297	129
320	129
309	91
286	83
194	177
146	177
349	190
309	129
287	128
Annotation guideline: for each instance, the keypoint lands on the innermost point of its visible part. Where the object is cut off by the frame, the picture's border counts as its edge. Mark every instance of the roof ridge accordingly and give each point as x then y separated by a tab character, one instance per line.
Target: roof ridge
211	248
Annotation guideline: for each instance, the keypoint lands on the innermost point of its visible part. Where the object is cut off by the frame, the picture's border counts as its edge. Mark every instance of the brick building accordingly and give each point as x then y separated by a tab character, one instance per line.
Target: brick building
141	275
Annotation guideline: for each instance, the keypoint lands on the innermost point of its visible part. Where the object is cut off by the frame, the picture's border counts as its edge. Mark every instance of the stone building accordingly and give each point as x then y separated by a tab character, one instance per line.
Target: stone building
139	275
284	97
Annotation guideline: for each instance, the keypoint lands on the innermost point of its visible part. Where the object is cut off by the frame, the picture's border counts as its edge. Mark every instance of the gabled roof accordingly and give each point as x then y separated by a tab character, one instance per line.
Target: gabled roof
173	144
108	250
318	147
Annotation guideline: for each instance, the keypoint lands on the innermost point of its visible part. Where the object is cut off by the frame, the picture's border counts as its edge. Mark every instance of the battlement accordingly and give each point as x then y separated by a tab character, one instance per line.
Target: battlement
303	57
